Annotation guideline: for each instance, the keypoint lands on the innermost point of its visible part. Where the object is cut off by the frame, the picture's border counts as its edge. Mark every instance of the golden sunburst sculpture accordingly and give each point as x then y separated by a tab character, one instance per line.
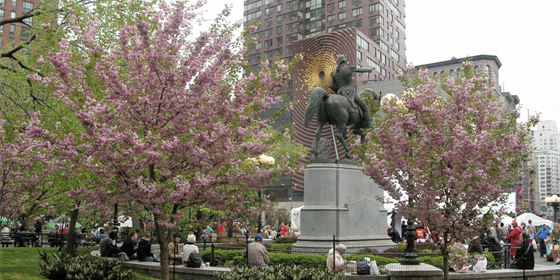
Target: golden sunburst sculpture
317	70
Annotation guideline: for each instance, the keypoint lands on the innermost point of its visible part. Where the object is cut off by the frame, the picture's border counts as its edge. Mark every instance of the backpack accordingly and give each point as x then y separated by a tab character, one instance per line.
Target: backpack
363	267
194	260
123	256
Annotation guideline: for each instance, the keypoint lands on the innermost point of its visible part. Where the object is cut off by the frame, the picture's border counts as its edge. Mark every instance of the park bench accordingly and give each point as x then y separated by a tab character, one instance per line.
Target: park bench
6	239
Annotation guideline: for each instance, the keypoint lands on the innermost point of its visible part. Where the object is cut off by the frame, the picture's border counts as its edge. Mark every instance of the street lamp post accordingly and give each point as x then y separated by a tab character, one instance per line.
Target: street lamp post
266	160
554	201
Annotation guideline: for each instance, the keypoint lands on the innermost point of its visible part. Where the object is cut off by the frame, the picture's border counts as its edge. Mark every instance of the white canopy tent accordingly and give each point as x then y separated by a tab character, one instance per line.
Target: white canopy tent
295	217
536	220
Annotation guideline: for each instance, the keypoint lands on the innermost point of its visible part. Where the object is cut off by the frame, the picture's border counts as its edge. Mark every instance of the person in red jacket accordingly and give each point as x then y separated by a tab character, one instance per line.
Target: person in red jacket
421	234
221	228
515	237
283	230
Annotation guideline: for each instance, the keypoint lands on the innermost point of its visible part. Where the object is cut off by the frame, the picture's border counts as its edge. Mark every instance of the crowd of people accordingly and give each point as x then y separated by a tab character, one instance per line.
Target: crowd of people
523	239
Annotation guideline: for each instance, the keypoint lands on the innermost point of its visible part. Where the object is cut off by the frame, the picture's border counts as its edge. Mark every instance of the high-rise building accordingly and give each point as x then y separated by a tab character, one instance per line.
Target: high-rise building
370	33
284	21
547	154
11	9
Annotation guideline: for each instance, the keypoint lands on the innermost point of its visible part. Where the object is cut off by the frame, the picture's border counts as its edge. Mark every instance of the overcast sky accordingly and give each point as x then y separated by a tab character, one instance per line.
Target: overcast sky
524	36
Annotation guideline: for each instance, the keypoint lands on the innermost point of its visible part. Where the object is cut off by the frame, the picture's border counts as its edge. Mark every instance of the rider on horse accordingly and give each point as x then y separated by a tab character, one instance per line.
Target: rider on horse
341	83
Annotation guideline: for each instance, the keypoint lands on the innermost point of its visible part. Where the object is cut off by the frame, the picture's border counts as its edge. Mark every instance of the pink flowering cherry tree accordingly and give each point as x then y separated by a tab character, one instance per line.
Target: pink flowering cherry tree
445	159
169	123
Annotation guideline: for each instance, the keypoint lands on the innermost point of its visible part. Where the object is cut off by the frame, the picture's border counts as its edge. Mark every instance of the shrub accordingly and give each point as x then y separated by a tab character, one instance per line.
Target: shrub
280	272
224	254
286	240
63	266
435	261
279	246
298	259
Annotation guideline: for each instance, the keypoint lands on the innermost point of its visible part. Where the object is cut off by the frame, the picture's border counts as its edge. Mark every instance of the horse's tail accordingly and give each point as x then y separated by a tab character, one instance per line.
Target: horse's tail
315	99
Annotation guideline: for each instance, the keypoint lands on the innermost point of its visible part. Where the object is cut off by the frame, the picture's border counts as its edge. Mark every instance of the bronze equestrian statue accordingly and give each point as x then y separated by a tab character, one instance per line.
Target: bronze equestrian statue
339	109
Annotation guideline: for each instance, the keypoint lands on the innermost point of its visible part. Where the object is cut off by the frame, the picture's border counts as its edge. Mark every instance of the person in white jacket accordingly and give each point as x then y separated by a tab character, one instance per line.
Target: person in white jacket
336	258
189	247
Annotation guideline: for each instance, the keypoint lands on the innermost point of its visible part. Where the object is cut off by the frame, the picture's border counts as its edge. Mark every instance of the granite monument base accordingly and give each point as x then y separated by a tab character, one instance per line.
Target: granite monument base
341	204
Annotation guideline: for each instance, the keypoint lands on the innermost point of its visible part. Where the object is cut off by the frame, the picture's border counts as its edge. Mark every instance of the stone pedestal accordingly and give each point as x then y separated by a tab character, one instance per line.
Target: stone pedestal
422	271
341	201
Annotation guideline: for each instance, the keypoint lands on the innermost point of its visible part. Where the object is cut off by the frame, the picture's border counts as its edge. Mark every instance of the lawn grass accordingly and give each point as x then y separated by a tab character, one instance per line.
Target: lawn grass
23	263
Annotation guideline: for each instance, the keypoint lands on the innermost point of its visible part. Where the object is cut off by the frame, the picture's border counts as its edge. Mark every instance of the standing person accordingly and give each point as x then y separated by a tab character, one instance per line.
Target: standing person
403	230
475	246
515	237
395	237
531	230
342	83
256	253
335	258
129	246
144	251
174	256
283	230
189	248
541	234
503	232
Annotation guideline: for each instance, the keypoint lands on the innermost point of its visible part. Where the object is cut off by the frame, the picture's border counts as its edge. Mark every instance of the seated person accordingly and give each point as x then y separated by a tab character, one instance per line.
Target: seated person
174	256
335	258
108	247
189	248
524	256
144	251
54	239
101	235
129	246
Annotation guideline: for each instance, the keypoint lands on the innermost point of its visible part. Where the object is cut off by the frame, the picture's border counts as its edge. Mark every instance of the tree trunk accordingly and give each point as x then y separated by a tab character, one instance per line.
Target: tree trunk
71	241
29	222
164	252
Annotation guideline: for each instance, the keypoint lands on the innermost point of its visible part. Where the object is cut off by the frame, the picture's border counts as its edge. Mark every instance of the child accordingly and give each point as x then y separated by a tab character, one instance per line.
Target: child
548	243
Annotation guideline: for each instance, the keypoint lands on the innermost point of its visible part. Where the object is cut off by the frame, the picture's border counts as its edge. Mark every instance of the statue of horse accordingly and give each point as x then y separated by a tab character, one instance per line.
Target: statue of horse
337	110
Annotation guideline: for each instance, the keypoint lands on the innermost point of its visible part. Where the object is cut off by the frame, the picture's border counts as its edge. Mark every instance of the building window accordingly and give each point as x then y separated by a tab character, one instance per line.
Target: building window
289	49
330	18
268	22
279	29
2	3
13	15
342	16
359	55
361	42
268	43
14	4
356	12
376	32
356	2
12	29
278	40
27	6
330	7
378	19
341	4
2	14
25	31
375	7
